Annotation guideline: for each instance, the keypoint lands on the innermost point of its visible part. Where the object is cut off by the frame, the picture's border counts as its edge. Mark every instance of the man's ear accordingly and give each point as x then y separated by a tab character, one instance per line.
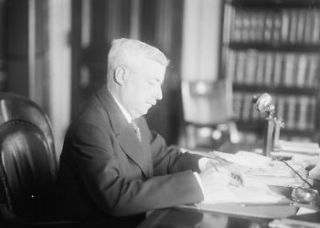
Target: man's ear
120	75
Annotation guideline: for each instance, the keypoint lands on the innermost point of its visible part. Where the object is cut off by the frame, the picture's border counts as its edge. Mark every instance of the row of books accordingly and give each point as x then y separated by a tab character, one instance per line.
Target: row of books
278	26
273	68
297	111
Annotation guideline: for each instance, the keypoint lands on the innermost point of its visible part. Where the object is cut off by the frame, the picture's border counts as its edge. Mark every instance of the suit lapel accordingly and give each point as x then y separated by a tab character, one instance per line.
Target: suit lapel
138	151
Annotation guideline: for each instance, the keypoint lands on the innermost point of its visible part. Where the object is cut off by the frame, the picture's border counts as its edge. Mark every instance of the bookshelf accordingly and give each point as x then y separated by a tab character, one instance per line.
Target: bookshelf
274	46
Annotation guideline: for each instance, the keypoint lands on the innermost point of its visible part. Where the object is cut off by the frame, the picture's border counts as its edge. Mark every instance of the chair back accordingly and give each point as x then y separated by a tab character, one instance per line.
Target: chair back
28	164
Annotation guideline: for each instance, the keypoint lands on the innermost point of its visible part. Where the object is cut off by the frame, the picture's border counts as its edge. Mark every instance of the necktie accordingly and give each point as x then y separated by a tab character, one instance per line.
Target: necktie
136	129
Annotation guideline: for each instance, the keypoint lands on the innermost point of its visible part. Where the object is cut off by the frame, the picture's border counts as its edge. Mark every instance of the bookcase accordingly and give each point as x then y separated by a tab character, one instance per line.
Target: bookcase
274	46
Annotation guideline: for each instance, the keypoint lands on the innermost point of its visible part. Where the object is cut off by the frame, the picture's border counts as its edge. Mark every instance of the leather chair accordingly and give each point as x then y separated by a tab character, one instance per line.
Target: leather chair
28	166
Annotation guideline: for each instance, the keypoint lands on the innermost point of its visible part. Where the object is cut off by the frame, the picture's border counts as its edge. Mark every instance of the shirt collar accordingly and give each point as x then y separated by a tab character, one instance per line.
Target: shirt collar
123	110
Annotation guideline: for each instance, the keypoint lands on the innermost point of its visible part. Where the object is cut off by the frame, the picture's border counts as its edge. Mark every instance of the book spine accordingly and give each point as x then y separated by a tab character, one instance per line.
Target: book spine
285	23
260	68
291	101
301	71
251	66
268	68
277	73
302	120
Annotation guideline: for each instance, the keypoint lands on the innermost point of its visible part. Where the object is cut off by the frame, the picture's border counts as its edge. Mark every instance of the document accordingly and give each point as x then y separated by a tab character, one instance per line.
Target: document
258	170
308	148
243	195
264	180
265	189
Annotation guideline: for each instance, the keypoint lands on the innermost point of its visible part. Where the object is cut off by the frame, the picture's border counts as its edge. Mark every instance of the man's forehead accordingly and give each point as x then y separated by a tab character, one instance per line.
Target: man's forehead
143	61
146	65
156	69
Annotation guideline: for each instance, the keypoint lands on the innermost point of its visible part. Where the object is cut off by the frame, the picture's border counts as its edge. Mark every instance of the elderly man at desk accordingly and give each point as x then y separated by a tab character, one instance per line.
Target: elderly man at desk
113	168
273	196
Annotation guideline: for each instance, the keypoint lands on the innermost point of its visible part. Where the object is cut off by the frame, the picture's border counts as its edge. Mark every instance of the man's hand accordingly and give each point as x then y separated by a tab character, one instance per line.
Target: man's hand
221	175
213	177
207	163
222	166
217	181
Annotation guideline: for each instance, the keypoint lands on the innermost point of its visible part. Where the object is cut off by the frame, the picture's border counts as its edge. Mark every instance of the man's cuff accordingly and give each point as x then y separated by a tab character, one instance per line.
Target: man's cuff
199	182
202	163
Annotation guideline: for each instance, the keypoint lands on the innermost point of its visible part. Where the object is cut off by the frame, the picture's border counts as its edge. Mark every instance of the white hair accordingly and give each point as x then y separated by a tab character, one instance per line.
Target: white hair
126	52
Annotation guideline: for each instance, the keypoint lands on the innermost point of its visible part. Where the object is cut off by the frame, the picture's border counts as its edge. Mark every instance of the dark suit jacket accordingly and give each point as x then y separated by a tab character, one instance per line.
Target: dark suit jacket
105	170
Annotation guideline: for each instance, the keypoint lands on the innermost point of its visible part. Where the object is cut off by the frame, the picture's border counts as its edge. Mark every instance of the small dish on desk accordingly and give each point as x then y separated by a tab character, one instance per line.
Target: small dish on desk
305	195
298	194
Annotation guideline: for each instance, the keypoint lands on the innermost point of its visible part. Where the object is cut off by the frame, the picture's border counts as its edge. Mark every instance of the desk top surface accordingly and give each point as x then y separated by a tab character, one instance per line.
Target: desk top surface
220	216
178	218
186	218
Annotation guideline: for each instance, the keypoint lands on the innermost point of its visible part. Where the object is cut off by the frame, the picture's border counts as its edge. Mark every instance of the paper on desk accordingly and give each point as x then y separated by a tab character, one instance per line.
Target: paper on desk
299	147
258	169
315	172
304	210
253	169
258	173
244	158
246	194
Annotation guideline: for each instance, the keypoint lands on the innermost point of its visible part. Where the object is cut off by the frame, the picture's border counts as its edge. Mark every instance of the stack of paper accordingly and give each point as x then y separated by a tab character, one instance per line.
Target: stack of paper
259	170
306	153
307	148
243	194
258	173
266	186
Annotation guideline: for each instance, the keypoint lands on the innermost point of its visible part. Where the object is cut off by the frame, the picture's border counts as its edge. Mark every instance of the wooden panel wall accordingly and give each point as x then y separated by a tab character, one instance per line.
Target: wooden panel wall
26	41
161	25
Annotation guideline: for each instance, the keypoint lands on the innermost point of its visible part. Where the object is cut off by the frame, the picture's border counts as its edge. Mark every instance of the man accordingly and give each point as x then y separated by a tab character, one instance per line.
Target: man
113	169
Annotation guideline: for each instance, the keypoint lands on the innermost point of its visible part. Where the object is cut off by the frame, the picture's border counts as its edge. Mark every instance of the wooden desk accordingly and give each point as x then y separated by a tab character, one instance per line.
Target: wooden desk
180	218
186	218
222	217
